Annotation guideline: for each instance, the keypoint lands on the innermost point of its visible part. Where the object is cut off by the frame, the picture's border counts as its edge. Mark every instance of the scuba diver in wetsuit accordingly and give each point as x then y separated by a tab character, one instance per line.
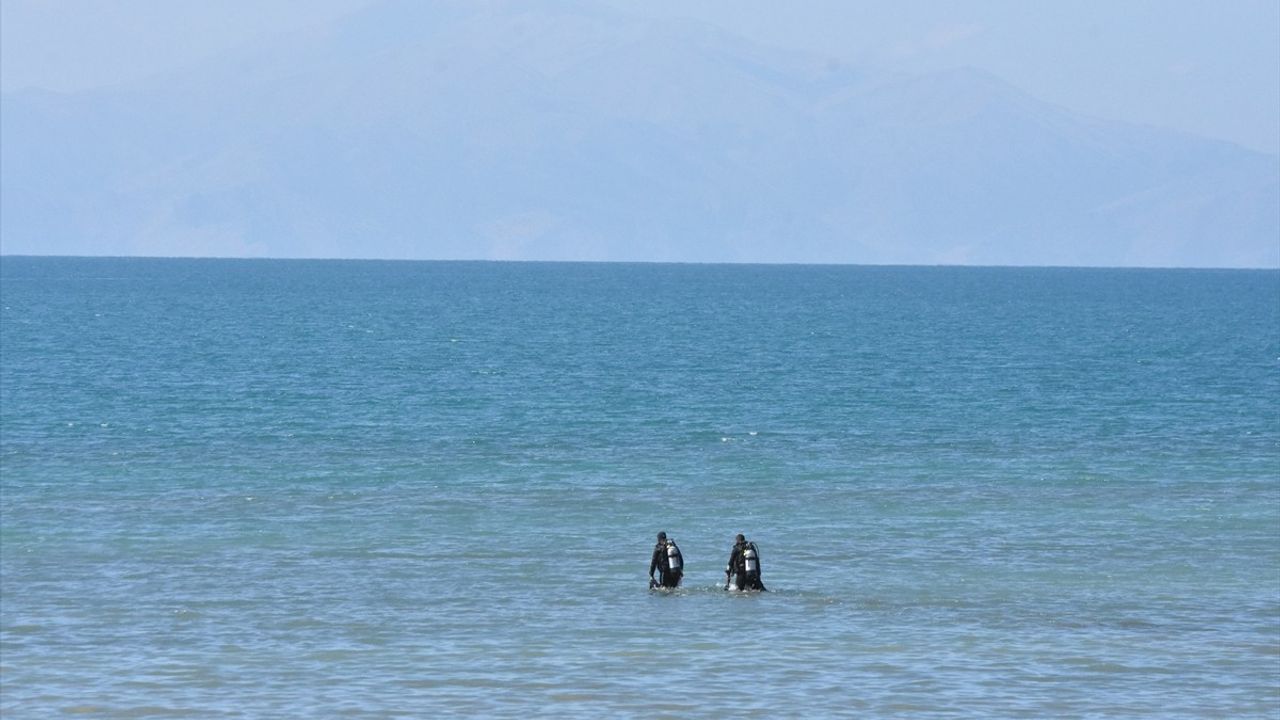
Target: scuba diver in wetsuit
744	563
668	561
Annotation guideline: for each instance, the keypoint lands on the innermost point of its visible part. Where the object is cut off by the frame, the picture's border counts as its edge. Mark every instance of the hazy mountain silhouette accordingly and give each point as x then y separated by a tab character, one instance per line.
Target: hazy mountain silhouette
553	131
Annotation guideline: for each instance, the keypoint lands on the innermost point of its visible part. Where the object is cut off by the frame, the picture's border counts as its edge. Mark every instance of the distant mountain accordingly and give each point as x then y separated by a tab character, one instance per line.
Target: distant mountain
559	131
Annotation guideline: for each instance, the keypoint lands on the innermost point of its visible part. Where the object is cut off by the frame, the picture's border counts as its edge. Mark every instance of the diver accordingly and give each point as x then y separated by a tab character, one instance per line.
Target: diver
744	563
669	563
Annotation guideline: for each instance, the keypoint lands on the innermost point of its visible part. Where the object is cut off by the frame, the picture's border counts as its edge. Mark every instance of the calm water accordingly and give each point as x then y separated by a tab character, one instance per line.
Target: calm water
259	489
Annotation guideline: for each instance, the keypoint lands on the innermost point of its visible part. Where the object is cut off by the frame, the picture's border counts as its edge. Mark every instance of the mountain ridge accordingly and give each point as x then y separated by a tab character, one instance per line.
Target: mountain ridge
520	132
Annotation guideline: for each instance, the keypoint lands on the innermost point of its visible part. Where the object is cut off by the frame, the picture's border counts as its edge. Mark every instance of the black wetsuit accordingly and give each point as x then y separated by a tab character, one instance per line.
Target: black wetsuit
737	568
667	577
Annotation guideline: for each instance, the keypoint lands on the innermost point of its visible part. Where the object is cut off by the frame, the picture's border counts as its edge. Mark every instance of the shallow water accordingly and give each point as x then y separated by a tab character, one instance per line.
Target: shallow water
311	489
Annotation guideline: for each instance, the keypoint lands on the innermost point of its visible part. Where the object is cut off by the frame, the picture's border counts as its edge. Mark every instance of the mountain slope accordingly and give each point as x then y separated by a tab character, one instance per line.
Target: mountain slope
529	131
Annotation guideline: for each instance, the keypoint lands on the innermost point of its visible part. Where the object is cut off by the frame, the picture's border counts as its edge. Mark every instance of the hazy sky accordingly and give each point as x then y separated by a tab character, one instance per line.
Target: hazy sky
1209	67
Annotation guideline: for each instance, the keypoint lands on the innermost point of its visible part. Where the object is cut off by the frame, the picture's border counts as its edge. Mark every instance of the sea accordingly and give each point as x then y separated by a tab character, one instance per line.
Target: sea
364	489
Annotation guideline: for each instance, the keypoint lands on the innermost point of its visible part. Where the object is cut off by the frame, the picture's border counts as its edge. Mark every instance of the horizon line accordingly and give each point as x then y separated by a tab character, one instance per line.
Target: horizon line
743	263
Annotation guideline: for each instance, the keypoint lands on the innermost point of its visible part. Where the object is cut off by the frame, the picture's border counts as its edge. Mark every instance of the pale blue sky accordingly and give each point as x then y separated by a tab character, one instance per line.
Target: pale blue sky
1207	67
996	132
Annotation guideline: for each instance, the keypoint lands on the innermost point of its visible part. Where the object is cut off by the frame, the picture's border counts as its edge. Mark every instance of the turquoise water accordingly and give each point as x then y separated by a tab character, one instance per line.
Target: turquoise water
261	489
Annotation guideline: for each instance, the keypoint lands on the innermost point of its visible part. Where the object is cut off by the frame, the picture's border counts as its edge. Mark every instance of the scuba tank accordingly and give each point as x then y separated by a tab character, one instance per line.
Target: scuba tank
750	559
674	561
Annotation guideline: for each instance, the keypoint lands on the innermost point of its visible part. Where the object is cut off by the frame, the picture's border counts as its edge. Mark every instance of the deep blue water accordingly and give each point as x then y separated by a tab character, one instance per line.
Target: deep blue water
316	489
